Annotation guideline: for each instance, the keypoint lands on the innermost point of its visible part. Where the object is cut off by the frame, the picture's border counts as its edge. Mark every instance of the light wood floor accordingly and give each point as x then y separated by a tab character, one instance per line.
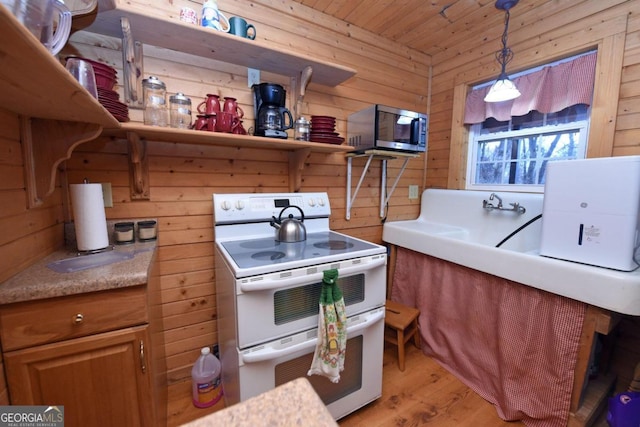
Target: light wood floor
424	393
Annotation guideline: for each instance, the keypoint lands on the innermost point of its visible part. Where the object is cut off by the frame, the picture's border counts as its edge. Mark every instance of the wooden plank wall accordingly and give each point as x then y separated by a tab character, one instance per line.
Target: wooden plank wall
183	177
540	32
25	235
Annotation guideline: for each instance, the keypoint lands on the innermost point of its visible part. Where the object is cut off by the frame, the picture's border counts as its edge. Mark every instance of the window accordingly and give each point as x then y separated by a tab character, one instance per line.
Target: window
515	153
511	142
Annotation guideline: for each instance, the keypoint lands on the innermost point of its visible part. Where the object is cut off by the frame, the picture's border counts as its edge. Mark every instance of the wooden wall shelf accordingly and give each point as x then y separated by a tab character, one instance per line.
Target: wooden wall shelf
137	134
33	83
57	113
150	26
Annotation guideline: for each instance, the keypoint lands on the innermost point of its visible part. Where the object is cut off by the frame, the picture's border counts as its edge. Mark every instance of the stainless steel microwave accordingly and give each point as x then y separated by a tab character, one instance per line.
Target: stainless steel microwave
387	128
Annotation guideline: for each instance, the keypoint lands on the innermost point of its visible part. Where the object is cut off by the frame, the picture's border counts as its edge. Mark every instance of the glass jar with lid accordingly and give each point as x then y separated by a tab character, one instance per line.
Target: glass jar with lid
155	104
302	129
179	111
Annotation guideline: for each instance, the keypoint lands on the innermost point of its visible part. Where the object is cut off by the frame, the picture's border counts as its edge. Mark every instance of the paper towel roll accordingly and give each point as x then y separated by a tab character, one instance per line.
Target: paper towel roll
89	218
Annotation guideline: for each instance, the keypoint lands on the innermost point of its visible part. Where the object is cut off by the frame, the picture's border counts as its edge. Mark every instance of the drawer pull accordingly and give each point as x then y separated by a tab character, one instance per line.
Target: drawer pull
79	318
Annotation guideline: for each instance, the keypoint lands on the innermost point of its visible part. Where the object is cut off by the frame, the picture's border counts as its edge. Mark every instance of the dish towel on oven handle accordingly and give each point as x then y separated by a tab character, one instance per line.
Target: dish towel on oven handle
328	359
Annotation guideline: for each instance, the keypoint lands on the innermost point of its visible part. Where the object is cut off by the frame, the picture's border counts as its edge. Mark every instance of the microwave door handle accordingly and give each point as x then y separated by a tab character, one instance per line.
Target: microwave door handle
270	353
271	283
414	137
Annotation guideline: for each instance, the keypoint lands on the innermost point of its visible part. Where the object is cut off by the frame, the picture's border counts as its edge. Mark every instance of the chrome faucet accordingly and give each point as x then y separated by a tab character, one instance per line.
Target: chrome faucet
515	207
491	197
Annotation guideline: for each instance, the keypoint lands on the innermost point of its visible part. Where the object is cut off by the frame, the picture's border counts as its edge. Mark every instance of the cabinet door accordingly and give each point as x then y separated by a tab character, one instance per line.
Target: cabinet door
101	380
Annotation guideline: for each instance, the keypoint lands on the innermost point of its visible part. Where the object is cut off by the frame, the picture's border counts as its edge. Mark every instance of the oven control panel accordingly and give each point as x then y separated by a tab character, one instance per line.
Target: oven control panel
253	207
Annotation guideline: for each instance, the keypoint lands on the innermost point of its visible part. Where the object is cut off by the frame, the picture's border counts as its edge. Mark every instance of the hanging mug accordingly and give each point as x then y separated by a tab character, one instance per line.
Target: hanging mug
231	106
211	105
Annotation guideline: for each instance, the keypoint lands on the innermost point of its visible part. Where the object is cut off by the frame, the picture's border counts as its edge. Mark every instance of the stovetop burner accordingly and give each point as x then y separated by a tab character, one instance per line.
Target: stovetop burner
334	245
257	244
268	255
323	246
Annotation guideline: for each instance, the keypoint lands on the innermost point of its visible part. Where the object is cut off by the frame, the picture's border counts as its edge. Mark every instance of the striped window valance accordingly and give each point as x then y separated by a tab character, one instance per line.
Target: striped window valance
548	90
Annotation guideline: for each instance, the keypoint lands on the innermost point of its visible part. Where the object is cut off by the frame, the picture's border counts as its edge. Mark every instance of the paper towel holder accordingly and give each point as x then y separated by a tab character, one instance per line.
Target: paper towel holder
95	251
91	234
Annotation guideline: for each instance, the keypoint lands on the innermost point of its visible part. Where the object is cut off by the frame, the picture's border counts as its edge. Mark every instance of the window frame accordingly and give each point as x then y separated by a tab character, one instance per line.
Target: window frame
604	113
475	137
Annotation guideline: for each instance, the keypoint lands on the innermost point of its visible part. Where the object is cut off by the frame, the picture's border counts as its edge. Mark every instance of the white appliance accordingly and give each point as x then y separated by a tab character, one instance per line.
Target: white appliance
591	211
268	295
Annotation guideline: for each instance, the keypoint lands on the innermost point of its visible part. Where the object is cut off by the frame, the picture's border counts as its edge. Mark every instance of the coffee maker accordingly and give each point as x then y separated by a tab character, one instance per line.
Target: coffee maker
269	110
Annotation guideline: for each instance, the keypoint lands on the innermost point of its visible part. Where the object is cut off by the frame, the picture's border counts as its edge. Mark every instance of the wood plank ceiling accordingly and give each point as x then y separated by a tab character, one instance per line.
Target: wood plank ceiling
429	26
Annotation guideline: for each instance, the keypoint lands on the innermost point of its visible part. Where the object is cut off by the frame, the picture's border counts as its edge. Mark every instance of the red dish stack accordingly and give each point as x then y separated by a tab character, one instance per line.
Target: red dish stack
109	98
323	130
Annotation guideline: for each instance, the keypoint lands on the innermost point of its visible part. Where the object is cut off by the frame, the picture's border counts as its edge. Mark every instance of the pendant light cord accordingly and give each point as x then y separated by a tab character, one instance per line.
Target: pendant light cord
505	55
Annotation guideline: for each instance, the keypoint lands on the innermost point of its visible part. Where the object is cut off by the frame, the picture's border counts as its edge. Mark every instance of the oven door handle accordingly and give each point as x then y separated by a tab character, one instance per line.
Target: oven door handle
269	283
367	322
271	353
268	353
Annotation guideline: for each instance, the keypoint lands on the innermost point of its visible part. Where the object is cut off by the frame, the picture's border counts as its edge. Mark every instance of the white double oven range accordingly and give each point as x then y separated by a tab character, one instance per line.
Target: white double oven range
268	293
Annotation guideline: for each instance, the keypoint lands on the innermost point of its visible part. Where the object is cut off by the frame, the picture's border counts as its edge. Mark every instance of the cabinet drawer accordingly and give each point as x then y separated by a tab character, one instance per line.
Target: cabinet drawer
45	321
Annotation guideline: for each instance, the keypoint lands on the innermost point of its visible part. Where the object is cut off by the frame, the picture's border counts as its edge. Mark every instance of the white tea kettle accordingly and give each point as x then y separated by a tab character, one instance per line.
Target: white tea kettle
290	230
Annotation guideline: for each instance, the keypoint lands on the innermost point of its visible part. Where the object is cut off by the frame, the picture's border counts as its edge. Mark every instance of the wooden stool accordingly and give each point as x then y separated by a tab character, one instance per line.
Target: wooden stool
401	324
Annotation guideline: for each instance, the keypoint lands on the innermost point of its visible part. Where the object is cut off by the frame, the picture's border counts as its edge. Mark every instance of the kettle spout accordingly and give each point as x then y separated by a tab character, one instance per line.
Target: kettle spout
275	223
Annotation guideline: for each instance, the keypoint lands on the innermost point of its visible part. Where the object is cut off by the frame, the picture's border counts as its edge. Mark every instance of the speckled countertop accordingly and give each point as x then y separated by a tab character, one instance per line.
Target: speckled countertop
292	404
39	281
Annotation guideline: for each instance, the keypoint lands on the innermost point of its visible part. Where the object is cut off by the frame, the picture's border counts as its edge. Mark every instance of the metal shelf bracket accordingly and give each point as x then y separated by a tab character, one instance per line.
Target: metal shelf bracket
384	156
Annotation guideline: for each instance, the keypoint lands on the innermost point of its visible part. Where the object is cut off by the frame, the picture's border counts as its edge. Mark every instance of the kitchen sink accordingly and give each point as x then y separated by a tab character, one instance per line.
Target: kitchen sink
454	226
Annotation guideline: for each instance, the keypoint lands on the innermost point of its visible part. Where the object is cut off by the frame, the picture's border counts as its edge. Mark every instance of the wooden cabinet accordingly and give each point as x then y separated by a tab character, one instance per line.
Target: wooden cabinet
100	380
87	352
51	320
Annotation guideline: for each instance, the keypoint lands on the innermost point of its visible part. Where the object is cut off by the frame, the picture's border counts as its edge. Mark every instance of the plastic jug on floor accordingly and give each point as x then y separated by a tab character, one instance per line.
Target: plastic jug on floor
205	376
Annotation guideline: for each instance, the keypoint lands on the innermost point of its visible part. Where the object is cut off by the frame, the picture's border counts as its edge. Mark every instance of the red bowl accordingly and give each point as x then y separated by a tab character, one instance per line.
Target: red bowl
97	65
104	73
105	82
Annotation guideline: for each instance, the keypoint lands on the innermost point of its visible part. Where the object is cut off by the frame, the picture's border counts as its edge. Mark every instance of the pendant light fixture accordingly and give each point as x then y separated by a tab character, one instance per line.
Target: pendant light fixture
503	89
